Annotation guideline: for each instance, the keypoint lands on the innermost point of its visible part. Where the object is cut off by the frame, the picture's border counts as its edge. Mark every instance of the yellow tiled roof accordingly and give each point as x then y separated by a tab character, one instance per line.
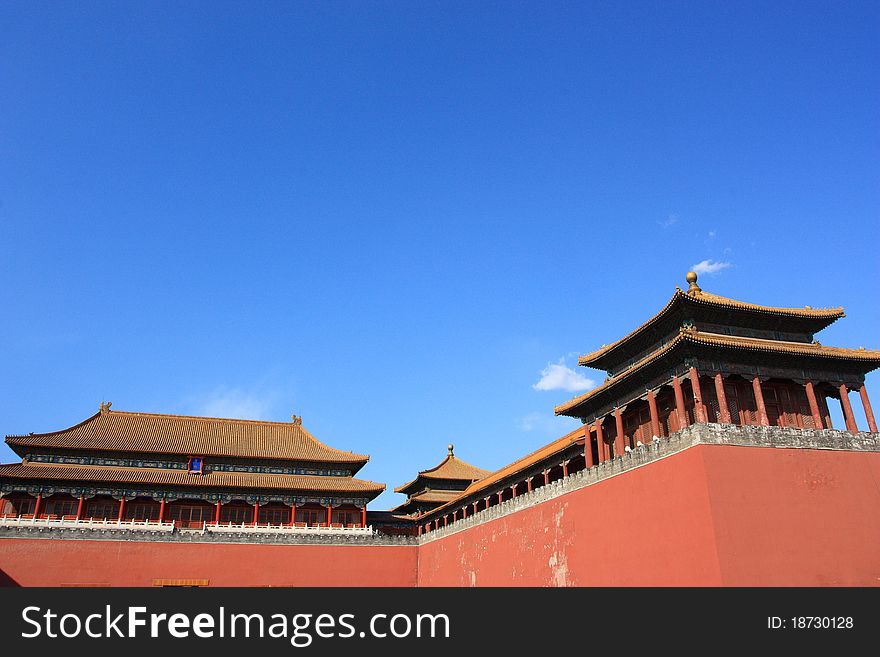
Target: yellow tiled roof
181	434
700	297
451	467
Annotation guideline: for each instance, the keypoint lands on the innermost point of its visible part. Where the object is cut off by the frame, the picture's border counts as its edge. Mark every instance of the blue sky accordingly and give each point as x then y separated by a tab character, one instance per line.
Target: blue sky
391	218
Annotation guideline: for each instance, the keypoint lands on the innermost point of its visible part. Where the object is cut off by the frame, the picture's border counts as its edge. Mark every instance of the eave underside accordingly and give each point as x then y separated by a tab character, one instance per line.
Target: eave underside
727	355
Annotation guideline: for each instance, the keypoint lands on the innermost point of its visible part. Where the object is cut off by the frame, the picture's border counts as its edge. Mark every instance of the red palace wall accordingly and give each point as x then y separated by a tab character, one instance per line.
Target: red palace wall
46	562
710	515
706	516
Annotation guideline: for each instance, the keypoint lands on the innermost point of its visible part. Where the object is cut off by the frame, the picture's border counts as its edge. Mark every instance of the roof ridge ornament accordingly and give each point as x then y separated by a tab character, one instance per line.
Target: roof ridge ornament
693	289
105	406
450	447
297	420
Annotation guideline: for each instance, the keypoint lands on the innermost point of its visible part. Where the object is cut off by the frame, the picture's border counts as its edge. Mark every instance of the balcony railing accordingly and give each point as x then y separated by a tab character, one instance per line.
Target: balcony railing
70	522
296	528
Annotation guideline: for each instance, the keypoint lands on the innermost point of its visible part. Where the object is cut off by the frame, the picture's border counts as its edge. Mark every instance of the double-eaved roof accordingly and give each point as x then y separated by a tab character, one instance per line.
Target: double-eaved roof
695	303
695	321
451	468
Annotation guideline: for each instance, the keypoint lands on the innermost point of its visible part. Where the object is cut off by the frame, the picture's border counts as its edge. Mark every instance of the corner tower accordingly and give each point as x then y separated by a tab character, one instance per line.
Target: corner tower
706	358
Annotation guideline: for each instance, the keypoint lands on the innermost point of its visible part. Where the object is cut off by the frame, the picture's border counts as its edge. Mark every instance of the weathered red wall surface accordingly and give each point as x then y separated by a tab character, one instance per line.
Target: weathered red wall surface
710	515
786	517
42	562
648	527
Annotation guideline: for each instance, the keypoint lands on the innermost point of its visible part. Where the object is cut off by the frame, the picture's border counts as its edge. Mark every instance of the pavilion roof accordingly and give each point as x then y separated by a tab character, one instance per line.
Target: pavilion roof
450	468
181	434
170	477
429	497
575	437
869	357
697	299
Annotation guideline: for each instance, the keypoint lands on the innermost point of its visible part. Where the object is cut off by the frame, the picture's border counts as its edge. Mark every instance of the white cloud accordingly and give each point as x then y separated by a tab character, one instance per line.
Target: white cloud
532	421
546	423
712	234
670	221
234	403
558	376
710	266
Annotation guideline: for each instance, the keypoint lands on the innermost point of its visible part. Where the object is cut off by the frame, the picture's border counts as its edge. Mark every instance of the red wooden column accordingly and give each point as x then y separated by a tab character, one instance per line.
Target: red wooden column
588	450
565	468
655	416
869	413
546	474
600	440
759	400
679	404
364	516
529	483
79	508
500	496
37	505
814	405
464	512
476	504
162	510
445	521
513	490
293	514
329	514
723	410
420	529
618	442
700	414
217	513
487	500
121	509
256	513
847	409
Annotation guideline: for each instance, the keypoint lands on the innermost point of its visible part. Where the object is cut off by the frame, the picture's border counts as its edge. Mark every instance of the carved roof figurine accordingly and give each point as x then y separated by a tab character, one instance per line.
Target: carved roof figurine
693	288
297	420
105	406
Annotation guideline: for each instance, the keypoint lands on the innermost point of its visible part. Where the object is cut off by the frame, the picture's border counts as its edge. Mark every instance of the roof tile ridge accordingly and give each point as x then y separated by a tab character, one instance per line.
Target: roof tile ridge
593	355
311	436
54	433
711	297
205	418
660	351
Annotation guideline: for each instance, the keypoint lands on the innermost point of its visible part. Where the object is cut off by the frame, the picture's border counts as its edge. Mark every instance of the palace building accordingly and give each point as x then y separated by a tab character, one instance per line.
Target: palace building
172	470
707	457
438	485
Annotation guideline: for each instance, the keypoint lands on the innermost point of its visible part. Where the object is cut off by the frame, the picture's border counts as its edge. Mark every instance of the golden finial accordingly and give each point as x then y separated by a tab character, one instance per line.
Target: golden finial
691	278
105	406
297	420
450	447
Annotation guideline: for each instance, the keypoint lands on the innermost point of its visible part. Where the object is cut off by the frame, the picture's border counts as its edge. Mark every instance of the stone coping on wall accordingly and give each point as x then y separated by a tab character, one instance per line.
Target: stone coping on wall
198	536
695	434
